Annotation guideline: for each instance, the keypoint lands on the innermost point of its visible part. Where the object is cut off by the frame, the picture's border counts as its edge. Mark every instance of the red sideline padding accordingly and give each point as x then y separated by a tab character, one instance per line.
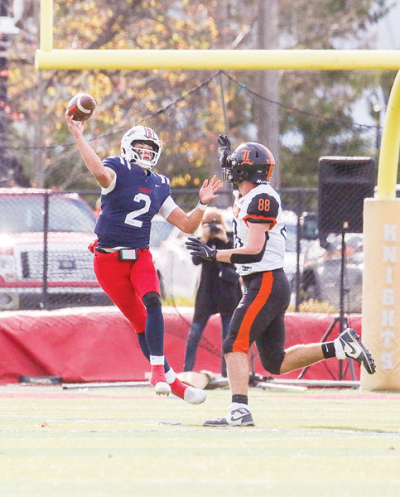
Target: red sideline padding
99	344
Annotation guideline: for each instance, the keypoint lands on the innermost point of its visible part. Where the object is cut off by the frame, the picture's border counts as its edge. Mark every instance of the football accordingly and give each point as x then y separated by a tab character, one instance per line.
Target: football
81	107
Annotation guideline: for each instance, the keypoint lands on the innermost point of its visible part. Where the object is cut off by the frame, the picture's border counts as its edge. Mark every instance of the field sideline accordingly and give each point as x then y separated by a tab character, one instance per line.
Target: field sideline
128	442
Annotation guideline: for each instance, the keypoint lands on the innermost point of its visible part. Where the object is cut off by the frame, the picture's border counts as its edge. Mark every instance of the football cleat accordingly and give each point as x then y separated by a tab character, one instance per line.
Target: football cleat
158	380
238	417
194	395
354	349
191	395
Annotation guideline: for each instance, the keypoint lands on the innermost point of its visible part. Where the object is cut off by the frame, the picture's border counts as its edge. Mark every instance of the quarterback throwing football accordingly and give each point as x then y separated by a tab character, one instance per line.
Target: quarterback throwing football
131	194
259	255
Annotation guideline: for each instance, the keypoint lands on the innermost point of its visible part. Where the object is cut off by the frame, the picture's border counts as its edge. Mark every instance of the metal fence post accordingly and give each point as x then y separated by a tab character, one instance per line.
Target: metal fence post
44	303
299	237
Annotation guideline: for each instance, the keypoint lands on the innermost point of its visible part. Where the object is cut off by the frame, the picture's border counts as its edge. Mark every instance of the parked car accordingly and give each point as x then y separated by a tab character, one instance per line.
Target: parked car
322	271
69	278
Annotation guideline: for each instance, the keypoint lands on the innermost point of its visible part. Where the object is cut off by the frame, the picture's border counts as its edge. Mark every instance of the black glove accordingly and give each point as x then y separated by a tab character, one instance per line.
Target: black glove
200	249
224	149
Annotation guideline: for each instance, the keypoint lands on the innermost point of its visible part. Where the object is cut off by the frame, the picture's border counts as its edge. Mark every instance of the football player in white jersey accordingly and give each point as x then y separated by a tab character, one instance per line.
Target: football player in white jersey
259	255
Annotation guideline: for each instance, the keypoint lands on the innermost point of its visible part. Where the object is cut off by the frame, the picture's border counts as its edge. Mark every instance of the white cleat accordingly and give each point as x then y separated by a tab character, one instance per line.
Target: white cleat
353	348
238	417
157	379
162	388
194	395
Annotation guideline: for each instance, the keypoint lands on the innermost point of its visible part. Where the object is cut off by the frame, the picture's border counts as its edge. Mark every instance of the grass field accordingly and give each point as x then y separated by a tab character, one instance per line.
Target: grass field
128	442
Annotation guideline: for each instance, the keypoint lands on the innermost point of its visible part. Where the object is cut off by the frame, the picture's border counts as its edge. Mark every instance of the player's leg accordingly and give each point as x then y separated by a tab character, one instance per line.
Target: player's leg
300	356
187	393
113	276
145	281
276	360
154	334
267	297
270	347
163	377
348	344
238	372
273	356
248	322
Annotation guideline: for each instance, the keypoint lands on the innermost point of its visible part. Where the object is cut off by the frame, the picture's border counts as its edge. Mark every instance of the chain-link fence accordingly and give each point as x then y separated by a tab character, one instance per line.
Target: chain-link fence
322	278
44	258
45	262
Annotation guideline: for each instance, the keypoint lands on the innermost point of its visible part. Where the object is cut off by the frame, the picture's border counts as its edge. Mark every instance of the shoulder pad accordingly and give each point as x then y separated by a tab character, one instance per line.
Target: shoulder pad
263	208
162	179
114	159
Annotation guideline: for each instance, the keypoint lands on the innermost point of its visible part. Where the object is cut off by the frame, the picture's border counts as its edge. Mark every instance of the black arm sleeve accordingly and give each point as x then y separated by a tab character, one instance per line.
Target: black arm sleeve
249	258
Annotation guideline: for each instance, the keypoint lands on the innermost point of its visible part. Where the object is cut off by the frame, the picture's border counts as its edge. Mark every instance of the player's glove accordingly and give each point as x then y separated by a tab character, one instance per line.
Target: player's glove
224	149
200	249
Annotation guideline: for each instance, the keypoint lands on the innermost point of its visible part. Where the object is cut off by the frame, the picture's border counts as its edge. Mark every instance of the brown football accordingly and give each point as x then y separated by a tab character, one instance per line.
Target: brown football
81	107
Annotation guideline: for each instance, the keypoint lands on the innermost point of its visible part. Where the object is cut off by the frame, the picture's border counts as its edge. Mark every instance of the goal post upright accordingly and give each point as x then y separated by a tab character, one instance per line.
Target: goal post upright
389	154
46	26
381	275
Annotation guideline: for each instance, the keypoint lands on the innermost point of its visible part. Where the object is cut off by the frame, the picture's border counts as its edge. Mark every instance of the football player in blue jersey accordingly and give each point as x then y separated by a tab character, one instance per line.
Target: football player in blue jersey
259	233
131	194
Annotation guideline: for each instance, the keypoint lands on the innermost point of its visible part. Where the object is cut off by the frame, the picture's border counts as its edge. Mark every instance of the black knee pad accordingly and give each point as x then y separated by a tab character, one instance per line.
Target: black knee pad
151	299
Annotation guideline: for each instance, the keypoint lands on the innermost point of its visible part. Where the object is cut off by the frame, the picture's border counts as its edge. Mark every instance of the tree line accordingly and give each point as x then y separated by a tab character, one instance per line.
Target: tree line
313	110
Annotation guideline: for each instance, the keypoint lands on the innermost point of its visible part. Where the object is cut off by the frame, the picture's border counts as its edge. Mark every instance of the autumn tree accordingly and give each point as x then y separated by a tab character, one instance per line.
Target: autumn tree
185	107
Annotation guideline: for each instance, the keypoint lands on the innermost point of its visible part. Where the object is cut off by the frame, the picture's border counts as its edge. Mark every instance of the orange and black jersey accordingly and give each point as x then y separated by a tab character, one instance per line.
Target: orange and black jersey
261	205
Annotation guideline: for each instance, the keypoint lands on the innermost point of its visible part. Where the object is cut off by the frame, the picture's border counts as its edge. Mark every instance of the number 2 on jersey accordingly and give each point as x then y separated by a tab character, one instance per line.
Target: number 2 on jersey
131	217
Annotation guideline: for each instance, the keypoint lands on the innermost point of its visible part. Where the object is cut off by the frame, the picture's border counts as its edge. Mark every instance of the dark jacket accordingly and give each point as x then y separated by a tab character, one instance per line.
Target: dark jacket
215	294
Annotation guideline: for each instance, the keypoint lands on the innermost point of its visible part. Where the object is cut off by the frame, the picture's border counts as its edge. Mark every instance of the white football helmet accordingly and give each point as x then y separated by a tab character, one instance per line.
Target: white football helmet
132	153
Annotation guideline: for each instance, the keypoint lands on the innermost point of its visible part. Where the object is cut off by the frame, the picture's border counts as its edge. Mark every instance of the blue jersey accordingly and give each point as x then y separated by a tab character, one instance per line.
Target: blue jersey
129	205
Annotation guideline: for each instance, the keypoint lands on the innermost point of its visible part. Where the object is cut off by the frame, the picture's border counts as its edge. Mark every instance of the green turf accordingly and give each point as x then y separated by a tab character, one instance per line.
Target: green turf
117	442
